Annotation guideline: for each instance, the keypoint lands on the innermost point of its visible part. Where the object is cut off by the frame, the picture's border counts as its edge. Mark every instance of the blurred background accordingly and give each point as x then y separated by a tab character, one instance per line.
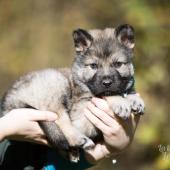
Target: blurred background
36	34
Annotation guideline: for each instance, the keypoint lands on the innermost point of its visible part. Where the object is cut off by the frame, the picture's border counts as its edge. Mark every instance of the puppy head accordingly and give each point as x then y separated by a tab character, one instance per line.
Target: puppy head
104	59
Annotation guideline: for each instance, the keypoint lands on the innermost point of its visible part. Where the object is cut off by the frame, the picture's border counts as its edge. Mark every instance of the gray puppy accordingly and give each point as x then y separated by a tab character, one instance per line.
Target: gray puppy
102	67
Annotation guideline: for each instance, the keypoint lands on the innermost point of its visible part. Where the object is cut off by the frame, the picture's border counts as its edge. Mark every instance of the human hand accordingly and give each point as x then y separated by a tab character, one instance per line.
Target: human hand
117	133
21	124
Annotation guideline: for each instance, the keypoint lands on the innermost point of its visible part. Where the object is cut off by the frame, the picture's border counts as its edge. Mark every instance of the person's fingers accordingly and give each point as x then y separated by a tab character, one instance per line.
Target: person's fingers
44	116
101	150
36	128
103	116
42	141
37	115
102	105
96	121
97	151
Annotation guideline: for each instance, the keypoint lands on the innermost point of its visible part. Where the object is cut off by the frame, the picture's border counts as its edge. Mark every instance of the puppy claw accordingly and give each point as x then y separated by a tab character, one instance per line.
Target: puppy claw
122	110
137	104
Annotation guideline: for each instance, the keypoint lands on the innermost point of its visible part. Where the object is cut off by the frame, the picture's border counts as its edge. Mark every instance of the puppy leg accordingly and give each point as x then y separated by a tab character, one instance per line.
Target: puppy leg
73	135
120	106
66	134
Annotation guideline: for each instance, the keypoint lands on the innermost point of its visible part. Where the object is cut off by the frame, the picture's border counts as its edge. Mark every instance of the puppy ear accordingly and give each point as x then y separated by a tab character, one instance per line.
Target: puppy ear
125	35
82	40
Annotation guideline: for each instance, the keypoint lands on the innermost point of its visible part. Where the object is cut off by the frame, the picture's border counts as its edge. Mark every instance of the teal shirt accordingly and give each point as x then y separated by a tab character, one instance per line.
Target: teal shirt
56	162
27	156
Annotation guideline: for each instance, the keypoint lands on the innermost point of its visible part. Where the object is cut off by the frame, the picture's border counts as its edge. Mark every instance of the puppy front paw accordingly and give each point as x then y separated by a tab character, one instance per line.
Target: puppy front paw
121	107
137	103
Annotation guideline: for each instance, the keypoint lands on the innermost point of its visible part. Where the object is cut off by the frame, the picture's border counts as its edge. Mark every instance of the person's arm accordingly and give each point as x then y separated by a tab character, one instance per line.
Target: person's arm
117	133
21	124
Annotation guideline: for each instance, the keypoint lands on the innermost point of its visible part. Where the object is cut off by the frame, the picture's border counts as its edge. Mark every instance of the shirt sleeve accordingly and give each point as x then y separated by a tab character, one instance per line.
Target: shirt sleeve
21	155
3	147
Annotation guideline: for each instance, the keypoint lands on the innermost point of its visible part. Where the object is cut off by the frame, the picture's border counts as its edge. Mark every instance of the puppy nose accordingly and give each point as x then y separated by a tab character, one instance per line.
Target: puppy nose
107	82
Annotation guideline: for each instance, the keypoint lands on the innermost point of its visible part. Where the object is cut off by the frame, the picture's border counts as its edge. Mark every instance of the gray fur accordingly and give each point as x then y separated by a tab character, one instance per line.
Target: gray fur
102	67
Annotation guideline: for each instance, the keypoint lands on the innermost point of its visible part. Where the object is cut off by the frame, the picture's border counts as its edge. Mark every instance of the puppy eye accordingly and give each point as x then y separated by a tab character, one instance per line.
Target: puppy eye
118	64
93	66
